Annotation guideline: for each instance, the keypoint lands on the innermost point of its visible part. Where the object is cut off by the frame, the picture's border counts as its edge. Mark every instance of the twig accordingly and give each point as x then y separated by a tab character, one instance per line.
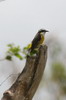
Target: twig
7	78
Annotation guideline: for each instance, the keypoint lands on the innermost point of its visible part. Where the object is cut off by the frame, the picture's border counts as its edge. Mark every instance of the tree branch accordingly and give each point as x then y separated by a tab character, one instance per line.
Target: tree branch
28	81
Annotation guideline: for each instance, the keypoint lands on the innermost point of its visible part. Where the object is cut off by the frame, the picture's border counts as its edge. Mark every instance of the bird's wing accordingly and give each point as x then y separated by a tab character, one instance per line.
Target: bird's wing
35	41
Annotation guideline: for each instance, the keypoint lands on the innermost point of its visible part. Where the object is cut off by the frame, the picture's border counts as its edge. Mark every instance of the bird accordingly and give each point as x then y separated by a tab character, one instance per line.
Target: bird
38	39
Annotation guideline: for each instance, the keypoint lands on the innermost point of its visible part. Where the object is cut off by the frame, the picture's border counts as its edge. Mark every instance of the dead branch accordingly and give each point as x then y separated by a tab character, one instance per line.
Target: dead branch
27	82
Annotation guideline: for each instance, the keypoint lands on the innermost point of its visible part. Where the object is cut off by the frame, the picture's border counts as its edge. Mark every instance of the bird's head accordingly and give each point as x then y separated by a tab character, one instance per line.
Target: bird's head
42	31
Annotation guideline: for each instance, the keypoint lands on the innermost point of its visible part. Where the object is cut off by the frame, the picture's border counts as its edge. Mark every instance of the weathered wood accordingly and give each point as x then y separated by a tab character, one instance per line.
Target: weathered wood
28	81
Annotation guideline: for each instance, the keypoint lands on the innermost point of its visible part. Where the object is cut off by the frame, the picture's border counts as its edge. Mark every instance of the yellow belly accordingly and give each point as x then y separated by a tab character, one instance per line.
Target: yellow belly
42	39
39	43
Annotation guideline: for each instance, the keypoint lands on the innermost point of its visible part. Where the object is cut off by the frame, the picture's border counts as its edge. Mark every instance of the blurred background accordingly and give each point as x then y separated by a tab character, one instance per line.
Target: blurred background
19	22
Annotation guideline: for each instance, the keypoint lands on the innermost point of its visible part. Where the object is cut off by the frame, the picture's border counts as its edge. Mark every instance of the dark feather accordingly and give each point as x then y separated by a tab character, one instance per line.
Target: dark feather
35	41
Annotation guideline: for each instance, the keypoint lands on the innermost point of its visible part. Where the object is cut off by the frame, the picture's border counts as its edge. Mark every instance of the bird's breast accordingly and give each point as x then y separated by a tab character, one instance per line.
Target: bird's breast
42	39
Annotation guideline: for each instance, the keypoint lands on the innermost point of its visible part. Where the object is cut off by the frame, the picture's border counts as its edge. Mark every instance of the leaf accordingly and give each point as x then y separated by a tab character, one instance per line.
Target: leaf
33	52
8	57
10	45
27	47
19	56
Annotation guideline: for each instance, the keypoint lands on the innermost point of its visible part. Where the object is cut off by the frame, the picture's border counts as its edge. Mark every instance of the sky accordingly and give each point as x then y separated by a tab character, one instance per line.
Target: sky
21	19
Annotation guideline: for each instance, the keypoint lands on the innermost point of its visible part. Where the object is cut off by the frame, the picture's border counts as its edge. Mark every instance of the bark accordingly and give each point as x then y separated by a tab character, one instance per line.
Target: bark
28	81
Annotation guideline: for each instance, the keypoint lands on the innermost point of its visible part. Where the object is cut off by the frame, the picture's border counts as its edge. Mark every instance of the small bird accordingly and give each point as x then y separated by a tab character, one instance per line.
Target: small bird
38	39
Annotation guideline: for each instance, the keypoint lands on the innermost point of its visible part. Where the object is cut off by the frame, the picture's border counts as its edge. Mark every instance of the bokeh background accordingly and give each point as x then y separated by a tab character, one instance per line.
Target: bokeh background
19	22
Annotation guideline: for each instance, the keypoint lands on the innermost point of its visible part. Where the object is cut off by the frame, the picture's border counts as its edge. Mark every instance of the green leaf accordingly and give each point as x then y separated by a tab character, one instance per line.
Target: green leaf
10	45
8	57
19	56
27	47
33	52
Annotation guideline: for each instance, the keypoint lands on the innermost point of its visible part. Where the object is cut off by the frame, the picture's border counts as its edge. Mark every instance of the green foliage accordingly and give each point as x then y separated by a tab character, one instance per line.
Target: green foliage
33	52
18	56
18	52
13	51
8	57
58	71
27	51
27	47
59	75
